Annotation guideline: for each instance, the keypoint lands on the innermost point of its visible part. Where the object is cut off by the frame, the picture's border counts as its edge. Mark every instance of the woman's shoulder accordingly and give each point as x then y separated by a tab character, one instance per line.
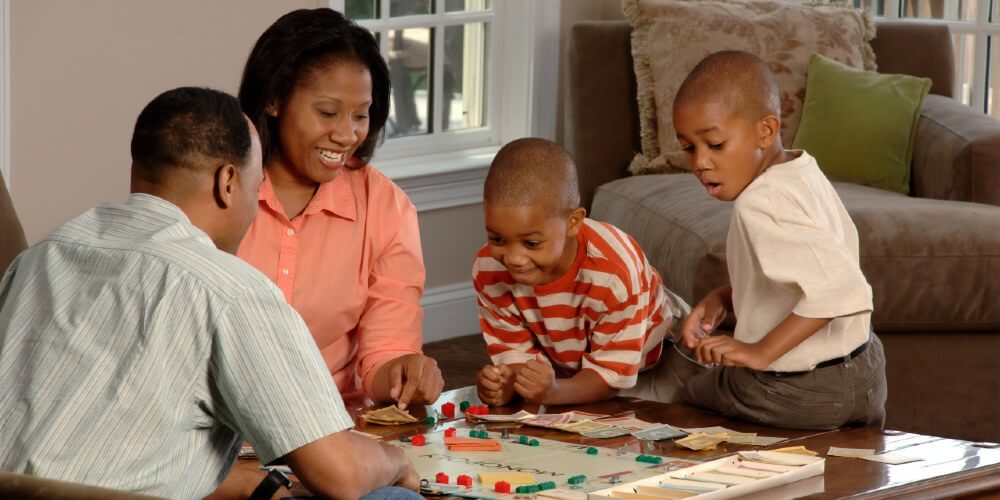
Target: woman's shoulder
380	190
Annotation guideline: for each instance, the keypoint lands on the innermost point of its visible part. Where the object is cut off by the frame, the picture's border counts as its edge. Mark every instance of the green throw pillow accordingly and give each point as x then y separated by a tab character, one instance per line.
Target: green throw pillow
860	125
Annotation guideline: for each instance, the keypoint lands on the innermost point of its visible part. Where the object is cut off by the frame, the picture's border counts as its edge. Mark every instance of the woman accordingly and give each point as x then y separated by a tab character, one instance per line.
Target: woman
336	236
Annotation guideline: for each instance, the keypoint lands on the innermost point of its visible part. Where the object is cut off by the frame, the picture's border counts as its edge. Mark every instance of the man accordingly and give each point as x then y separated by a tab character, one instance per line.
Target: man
136	355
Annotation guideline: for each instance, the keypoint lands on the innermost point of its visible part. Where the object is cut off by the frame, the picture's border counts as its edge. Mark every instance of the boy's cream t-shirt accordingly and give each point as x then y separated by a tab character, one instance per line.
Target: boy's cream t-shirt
792	248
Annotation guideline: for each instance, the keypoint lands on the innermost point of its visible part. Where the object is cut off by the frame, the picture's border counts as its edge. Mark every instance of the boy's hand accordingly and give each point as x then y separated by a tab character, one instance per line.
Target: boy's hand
534	381
495	384
727	351
704	319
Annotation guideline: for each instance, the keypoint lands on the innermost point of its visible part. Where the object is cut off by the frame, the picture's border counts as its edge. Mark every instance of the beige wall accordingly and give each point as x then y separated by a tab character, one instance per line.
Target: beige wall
81	71
450	238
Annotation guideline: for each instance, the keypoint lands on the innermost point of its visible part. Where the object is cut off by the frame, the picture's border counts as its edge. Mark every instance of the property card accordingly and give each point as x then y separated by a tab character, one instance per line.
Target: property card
891	458
849	452
768	440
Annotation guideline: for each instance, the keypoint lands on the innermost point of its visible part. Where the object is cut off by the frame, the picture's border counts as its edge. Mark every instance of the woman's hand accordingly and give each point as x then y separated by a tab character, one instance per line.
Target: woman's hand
414	378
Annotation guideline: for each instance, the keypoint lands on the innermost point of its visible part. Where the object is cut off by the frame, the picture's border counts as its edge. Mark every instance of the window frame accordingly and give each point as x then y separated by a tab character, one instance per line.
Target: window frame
521	87
982	29
5	130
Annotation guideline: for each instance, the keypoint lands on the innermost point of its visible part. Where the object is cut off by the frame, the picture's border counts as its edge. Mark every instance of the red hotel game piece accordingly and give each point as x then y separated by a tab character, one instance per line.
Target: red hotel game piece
418	440
502	487
464	480
450	432
441	477
448	410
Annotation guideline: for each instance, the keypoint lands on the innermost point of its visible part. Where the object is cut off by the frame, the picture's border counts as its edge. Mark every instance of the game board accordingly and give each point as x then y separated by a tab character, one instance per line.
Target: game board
549	461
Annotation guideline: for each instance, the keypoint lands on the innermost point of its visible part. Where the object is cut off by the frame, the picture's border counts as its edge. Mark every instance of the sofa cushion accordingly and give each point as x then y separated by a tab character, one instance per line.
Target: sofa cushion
860	125
932	264
670	37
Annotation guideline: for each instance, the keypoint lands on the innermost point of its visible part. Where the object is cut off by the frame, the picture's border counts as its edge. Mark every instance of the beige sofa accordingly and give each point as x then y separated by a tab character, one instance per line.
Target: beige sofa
933	258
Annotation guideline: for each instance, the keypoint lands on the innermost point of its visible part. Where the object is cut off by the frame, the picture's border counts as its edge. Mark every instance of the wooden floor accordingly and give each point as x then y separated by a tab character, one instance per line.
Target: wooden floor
460	359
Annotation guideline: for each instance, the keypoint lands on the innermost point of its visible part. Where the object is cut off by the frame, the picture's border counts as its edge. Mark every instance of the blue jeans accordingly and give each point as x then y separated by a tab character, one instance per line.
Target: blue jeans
393	493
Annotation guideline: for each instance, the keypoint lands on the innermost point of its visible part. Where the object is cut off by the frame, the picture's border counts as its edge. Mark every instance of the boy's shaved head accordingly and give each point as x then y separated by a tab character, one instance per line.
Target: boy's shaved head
739	79
533	172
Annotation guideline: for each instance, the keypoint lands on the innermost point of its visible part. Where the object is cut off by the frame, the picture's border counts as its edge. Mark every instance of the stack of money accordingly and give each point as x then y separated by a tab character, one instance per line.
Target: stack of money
797	450
735	437
582	426
700	441
390	415
496	417
659	432
550	420
610	432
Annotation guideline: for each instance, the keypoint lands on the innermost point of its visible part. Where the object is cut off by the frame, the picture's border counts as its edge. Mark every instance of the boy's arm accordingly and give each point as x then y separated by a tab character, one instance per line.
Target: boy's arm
507	339
727	351
613	360
586	386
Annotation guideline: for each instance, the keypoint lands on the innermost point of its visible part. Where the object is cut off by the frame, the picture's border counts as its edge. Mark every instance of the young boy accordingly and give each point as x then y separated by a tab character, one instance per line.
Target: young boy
803	354
570	308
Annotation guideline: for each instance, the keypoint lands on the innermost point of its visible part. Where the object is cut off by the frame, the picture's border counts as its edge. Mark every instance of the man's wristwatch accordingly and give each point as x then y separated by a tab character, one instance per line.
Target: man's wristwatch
270	484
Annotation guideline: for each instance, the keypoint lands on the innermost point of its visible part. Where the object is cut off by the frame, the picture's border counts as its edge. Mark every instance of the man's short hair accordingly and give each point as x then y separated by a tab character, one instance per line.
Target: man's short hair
740	80
189	128
533	172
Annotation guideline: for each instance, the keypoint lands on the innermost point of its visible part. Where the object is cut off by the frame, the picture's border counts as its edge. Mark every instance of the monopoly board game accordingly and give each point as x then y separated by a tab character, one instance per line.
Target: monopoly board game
548	462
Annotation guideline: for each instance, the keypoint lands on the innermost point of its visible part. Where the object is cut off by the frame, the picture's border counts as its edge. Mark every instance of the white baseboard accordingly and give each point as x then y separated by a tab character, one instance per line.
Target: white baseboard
449	311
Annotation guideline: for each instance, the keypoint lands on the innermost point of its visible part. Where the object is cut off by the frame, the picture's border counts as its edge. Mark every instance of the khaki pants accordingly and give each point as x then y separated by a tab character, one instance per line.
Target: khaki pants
852	392
665	381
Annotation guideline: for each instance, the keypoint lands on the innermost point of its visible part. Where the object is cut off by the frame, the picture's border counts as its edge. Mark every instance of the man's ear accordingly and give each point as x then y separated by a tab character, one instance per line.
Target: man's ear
226	179
768	131
575	221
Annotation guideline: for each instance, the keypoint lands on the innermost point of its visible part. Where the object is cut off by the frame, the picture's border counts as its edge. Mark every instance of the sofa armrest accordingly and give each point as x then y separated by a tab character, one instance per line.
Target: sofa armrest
601	115
12	242
956	153
919	49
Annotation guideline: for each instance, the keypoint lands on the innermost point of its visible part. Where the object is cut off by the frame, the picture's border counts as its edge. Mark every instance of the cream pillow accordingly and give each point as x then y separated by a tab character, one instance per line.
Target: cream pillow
670	37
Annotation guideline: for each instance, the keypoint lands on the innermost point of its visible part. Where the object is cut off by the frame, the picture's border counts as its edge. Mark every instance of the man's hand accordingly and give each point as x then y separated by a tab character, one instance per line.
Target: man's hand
495	384
704	318
414	378
409	478
536	379
728	351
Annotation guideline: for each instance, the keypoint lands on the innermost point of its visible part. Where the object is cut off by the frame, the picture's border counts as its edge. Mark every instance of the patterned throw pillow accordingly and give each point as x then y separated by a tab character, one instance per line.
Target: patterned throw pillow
670	37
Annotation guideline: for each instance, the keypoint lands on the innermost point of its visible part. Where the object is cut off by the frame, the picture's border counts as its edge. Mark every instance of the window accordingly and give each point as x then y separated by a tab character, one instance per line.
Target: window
464	77
975	28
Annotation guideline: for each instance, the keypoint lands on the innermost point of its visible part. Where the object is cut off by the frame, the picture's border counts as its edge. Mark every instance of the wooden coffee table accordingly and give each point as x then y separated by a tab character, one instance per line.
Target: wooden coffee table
950	467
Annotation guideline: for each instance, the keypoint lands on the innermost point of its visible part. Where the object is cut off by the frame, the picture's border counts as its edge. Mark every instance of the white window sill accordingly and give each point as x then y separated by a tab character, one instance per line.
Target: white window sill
441	180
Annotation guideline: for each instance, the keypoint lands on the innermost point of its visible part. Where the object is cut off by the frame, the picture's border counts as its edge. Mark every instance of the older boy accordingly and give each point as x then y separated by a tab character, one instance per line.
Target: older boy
803	354
570	308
